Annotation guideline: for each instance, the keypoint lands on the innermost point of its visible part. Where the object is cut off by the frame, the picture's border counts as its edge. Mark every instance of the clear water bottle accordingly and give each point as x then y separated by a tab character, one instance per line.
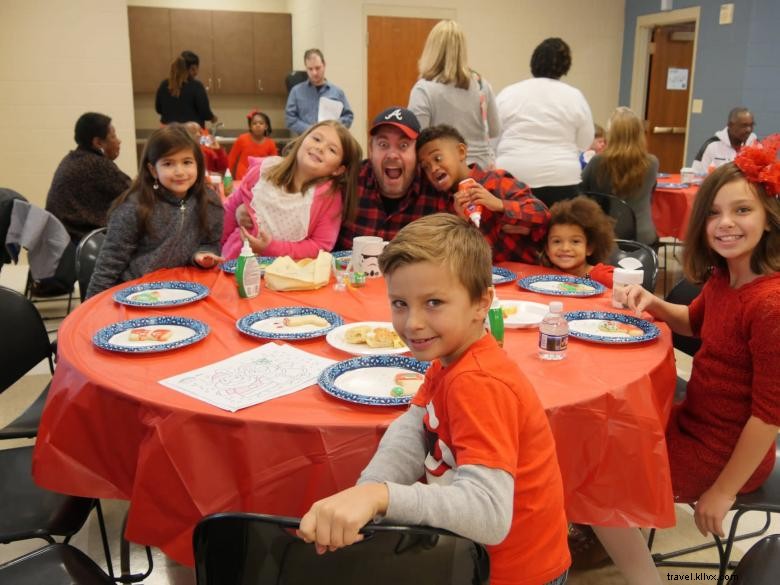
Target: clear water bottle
553	333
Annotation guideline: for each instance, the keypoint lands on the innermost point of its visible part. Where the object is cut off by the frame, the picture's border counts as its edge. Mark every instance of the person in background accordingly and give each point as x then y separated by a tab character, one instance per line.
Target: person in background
449	92
303	103
296	203
725	145
256	143
580	238
87	180
181	97
545	124
442	154
167	217
474	453
625	169
214	156
596	147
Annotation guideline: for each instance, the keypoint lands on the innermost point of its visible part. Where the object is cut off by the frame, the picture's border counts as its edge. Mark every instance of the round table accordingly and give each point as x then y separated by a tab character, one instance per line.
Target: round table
110	430
671	208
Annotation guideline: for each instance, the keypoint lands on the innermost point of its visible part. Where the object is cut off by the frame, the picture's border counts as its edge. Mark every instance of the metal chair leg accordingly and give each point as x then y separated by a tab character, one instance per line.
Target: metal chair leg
124	559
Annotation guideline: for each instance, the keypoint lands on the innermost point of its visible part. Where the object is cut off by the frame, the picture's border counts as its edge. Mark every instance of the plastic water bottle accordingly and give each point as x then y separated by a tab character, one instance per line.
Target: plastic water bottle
553	334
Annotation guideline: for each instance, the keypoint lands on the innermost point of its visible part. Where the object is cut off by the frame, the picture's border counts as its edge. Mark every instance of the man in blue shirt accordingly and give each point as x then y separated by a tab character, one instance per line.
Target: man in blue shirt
303	104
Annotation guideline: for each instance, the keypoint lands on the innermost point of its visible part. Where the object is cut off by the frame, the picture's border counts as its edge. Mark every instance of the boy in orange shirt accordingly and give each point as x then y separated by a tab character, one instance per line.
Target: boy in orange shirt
475	430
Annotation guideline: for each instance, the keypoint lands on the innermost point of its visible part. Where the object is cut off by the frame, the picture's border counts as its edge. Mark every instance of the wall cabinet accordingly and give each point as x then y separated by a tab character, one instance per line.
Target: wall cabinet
241	53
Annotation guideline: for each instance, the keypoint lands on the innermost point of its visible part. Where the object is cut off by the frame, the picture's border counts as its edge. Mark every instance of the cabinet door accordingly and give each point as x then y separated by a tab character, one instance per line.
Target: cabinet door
150	46
233	58
273	52
191	31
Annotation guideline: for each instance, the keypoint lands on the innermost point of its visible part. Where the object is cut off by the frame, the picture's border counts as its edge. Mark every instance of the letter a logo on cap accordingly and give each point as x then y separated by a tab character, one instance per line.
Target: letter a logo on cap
395	114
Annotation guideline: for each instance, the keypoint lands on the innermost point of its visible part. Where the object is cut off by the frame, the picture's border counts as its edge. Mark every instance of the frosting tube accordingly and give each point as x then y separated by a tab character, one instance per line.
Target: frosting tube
473	210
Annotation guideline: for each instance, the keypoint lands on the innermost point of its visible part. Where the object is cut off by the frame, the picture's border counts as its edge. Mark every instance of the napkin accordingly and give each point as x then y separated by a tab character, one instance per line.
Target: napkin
307	274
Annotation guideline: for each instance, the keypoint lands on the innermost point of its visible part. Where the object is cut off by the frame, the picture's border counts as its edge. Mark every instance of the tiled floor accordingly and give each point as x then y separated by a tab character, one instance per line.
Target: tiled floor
167	572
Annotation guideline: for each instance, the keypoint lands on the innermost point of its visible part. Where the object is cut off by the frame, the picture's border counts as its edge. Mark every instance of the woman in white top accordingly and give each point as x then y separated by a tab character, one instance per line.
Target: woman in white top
545	125
448	92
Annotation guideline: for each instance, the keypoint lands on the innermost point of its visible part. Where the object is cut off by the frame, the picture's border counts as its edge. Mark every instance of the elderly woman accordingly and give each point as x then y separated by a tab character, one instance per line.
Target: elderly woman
545	124
449	92
87	180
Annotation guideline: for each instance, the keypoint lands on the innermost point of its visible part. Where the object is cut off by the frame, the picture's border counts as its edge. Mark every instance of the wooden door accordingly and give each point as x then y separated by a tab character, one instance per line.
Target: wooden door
668	91
191	31
150	46
233	34
394	47
273	52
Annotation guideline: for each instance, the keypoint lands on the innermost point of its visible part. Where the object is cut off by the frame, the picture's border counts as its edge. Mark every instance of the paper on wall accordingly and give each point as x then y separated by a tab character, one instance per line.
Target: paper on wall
329	109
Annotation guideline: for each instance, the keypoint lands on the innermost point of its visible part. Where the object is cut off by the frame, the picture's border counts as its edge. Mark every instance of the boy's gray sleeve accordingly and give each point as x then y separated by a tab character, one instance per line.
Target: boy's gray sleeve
118	248
400	456
477	504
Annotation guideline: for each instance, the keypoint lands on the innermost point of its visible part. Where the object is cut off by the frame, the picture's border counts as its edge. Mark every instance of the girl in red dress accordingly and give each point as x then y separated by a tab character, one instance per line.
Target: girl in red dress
256	143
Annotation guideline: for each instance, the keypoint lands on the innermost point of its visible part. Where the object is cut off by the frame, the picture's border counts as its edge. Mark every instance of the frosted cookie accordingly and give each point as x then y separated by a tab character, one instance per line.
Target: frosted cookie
407	384
149	335
310	319
624	328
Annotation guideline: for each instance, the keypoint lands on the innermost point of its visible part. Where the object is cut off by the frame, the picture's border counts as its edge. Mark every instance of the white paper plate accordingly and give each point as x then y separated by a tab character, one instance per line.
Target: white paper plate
528	314
337	339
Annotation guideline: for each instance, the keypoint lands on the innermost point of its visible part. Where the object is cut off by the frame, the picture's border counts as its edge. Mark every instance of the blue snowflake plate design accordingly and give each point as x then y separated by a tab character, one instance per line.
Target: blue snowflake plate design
663	175
561	285
664	185
606	327
164	293
342	253
503	275
229	266
150	334
371	379
270	324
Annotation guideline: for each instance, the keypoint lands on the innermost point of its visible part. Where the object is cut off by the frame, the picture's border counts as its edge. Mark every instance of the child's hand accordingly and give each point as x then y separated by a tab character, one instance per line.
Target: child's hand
334	522
710	510
242	217
258	243
207	259
478	194
635	297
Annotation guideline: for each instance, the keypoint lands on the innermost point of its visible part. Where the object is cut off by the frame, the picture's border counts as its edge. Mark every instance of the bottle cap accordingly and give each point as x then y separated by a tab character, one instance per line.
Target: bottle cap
556	307
246	250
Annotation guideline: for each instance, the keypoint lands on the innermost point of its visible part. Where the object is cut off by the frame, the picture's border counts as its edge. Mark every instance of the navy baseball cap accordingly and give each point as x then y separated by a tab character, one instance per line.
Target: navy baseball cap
399	117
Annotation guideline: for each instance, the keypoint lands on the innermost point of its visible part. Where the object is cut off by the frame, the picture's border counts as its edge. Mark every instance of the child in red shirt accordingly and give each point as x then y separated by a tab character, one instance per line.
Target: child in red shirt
475	430
253	143
580	238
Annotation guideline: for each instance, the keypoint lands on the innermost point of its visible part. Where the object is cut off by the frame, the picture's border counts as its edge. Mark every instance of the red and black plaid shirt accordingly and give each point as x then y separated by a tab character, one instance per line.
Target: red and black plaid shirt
371	219
521	208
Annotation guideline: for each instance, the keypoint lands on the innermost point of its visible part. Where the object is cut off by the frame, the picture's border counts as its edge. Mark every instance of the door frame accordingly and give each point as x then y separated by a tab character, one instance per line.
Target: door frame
641	66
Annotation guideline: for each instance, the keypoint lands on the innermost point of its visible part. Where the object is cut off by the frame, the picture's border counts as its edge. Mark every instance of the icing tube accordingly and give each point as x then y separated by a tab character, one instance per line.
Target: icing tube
473	210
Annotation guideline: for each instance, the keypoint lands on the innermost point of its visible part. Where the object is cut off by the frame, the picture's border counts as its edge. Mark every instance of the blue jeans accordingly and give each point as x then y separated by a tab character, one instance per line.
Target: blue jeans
559	580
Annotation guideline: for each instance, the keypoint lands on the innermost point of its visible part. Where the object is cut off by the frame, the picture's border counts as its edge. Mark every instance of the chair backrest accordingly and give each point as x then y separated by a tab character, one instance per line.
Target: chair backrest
7	197
683	293
256	549
620	211
761	564
86	257
24	341
294	78
642	252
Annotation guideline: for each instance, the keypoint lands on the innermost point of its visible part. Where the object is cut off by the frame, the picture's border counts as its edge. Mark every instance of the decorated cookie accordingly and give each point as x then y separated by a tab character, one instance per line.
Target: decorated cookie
147	296
407	384
620	328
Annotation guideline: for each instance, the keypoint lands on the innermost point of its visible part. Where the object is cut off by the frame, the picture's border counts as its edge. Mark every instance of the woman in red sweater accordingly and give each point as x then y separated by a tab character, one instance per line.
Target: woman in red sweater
252	143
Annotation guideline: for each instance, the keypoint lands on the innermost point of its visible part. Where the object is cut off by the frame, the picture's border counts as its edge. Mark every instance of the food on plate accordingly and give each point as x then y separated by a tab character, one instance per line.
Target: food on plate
373	336
407	384
143	334
147	296
624	328
310	319
508	310
573	287
357	334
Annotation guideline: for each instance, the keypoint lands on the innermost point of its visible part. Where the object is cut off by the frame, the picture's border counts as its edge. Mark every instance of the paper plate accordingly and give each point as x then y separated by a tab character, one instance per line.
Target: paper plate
181	331
337	339
369	379
561	285
341	253
229	266
165	293
672	185
502	275
527	314
605	327
269	324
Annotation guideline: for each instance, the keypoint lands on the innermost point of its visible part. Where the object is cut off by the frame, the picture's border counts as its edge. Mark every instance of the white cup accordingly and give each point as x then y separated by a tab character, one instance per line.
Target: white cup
365	255
621	278
687	175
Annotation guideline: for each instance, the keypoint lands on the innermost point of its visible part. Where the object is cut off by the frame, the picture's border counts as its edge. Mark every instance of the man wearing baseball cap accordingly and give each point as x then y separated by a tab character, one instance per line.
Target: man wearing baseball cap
391	189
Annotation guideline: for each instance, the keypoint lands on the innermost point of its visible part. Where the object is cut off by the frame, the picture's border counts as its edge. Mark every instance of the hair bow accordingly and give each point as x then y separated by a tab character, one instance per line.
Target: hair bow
758	162
252	114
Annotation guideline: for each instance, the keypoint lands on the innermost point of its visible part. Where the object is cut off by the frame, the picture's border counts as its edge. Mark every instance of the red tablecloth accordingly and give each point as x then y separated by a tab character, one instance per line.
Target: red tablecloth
671	208
110	430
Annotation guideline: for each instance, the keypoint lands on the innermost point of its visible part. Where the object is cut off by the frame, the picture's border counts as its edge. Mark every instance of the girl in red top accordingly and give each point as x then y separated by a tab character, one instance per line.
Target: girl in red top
252	143
580	236
721	438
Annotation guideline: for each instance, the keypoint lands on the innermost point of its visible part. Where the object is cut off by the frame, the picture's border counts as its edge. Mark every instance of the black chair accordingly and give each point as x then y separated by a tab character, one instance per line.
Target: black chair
86	257
294	78
55	564
244	549
620	211
7	198
765	499
642	252
683	293
761	564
